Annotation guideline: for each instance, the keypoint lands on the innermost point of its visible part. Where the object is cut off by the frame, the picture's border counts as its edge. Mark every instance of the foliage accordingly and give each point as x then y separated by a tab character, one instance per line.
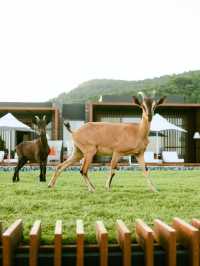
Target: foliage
2	144
186	84
69	200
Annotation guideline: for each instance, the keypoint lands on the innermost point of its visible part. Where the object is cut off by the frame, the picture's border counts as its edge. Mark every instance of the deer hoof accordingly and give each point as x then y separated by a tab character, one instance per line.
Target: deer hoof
154	190
92	190
15	180
108	188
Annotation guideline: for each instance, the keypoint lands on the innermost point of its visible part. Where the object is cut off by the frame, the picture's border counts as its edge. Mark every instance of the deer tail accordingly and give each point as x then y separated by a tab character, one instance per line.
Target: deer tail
68	127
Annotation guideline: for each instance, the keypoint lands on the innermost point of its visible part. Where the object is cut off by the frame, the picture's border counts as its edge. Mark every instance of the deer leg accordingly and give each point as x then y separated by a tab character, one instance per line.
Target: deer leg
20	164
84	170
140	159
43	171
113	165
76	156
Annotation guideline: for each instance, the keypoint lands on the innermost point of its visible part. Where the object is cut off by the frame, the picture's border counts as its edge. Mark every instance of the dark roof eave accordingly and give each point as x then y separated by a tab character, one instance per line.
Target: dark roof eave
178	105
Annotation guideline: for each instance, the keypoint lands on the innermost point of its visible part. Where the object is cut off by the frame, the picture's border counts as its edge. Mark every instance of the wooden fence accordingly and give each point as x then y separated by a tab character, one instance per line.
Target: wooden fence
178	244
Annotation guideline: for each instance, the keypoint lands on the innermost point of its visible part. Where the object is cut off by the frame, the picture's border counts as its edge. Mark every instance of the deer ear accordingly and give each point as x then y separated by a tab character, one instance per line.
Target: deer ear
37	119
161	101
136	101
44	117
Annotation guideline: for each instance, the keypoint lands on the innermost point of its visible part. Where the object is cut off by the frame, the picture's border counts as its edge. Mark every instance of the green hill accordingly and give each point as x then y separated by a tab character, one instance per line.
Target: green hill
186	84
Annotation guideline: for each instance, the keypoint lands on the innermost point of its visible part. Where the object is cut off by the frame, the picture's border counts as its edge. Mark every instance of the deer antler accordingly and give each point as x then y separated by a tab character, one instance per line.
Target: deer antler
153	93
142	94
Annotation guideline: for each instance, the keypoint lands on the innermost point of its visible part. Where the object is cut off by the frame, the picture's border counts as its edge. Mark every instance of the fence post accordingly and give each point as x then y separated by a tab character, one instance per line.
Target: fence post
124	240
35	235
102	239
80	243
144	235
10	239
58	243
166	237
188	236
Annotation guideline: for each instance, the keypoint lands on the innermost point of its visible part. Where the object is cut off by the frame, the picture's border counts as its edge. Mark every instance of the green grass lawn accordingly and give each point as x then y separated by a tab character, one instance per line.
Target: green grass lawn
179	195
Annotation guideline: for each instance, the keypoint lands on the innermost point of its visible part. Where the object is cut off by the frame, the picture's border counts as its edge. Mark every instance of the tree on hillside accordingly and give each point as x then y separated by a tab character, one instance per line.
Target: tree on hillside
186	84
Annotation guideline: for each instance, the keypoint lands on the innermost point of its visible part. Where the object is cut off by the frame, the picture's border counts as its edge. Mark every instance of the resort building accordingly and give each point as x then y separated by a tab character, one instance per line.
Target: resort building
120	109
25	112
112	108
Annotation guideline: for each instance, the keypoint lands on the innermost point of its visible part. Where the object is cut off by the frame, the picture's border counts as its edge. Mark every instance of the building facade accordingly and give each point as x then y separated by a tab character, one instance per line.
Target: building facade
186	116
112	109
25	112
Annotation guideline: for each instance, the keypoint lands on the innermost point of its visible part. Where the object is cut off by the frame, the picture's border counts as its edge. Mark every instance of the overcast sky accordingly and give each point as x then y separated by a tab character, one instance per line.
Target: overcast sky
49	47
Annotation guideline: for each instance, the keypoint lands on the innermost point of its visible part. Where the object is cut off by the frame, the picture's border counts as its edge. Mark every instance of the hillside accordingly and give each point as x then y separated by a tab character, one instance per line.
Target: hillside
186	84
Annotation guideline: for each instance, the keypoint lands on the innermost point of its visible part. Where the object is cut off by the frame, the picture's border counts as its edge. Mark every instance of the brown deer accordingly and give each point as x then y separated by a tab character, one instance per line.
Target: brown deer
34	151
116	139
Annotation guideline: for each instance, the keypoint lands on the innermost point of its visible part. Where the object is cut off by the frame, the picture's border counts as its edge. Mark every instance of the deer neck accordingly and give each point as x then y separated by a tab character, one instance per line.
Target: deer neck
144	127
43	139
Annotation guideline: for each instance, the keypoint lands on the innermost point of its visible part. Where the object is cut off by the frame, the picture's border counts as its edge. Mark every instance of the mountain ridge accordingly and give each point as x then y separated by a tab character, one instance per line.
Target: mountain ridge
186	84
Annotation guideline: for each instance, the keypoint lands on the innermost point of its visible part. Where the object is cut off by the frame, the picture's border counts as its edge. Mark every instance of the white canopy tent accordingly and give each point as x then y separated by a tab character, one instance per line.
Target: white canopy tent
158	124
9	123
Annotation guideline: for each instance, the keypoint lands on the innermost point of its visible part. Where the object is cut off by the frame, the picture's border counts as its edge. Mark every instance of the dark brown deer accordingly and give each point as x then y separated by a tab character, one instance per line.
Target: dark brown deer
34	151
116	139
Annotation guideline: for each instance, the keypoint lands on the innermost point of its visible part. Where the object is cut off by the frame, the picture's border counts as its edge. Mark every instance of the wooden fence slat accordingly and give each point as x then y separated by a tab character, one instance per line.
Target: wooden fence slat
144	235
188	236
80	243
102	239
166	237
58	243
10	239
34	235
124	240
196	223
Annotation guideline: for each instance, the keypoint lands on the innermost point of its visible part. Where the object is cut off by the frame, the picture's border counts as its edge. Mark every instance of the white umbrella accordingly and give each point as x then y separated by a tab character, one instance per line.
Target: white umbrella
9	122
159	123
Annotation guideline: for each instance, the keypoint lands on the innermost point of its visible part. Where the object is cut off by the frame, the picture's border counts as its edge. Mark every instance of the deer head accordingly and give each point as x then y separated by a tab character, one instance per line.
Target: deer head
41	124
148	105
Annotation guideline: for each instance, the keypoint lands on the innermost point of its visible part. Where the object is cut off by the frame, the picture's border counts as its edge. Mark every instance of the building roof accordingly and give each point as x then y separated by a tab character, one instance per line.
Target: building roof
25	104
115	98
128	99
167	104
